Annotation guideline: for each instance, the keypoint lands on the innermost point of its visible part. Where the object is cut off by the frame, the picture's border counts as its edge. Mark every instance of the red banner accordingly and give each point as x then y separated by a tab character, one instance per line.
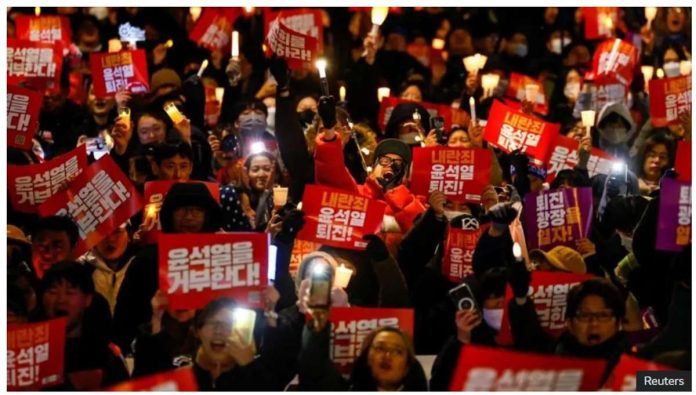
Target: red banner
599	21
615	61
31	185
683	162
338	218
350	326
35	355
36	64
509	129
197	268
548	291
435	110
44	28
459	252
23	106
623	378
298	49
565	156
213	30
113	72
460	173
155	192
98	200
306	21
300	249
182	379
516	90
491	369
669	98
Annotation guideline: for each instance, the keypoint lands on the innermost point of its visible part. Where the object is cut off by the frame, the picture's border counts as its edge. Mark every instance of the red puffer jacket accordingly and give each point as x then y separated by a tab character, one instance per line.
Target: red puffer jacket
329	170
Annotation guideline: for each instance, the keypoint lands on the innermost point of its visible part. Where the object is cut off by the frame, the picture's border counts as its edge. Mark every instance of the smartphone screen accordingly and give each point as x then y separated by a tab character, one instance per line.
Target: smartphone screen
319	292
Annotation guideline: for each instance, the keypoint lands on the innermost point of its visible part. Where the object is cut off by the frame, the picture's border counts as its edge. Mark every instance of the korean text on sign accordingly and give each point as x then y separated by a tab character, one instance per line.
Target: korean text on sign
674	215
37	63
195	269
214	28
44	28
35	354
490	369
565	156
23	107
459	253
125	70
557	217
669	98
614	61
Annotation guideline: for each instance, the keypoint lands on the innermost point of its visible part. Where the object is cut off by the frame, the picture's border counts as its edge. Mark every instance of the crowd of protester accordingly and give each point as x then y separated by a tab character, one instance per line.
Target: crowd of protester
110	295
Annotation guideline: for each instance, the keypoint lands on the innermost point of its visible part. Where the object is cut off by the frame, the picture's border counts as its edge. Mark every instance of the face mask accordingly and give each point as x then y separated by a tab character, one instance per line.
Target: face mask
613	135
252	123
556	46
451	214
494	318
306	117
572	90
270	120
409	138
519	50
671	69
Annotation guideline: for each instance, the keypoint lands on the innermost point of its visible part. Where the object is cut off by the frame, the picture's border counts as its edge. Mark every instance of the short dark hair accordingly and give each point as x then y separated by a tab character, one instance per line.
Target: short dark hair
169	149
59	223
212	308
597	286
74	273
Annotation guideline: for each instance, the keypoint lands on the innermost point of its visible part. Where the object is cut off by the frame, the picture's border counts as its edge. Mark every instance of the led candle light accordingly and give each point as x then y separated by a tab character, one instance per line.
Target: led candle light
517	252
650	13
235	44
321	66
249	10
472	109
475	63
685	67
243	323
280	196
382	93
342	277
37	11
438	43
531	92
659	73
195	13
588	120
647	72
342	93
115	45
203	67
219	94
488	83
378	15
173	113
169	43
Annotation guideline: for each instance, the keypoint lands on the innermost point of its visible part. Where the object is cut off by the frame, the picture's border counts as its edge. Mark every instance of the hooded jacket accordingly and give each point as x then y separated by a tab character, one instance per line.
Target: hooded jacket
108	282
616	145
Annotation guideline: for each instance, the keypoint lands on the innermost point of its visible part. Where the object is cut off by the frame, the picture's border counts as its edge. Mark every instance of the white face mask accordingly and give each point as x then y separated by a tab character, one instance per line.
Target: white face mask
671	69
409	138
270	120
494	318
572	90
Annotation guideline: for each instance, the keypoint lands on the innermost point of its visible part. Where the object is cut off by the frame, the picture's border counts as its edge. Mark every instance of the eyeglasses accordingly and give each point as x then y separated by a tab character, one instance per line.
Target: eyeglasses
600	316
384	350
387	161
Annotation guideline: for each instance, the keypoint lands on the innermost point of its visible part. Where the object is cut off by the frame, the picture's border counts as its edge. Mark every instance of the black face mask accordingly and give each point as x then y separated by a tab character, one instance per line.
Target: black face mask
306	117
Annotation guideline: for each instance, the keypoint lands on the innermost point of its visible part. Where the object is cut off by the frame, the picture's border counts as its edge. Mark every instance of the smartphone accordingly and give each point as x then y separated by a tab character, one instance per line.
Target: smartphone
619	171
438	123
463	297
320	286
243	322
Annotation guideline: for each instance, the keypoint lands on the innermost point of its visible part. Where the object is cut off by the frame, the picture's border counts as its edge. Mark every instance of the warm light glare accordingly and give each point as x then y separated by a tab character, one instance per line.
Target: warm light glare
321	66
37	11
438	43
257	147
588	118
379	14
195	13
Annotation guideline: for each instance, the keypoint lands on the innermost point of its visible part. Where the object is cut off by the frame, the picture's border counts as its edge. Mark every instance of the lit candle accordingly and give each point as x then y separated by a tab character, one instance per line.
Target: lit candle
342	277
475	63
588	120
280	196
173	113
378	15
438	43
169	43
659	73
37	11
195	13
488	83
382	93
321	66
202	68
685	67
342	93
115	45
650	13
472	109
243	324
249	10
531	92
647	72
517	252
219	94
235	44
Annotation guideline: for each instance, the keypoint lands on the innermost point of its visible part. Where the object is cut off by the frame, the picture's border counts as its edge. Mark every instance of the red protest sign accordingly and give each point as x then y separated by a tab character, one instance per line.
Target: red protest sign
23	106
516	90
459	252
350	326
35	355
683	162
434	110
197	268
31	185
43	28
154	194
113	72
548	291
599	21
306	21
491	369
98	200
564	155
35	64
509	129
338	218
460	173
669	98
623	378
300	249
182	379
213	30
298	49
615	61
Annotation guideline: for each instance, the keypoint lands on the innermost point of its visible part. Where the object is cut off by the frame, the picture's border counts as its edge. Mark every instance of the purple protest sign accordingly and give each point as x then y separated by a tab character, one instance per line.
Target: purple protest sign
557	217
674	221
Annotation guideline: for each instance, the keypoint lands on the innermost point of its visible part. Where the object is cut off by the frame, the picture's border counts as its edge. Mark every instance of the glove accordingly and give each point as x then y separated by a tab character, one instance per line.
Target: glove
279	70
502	213
327	111
376	249
519	278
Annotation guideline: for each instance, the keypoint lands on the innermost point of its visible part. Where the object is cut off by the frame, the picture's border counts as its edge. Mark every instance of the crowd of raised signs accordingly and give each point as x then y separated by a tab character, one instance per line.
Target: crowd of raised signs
349	198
